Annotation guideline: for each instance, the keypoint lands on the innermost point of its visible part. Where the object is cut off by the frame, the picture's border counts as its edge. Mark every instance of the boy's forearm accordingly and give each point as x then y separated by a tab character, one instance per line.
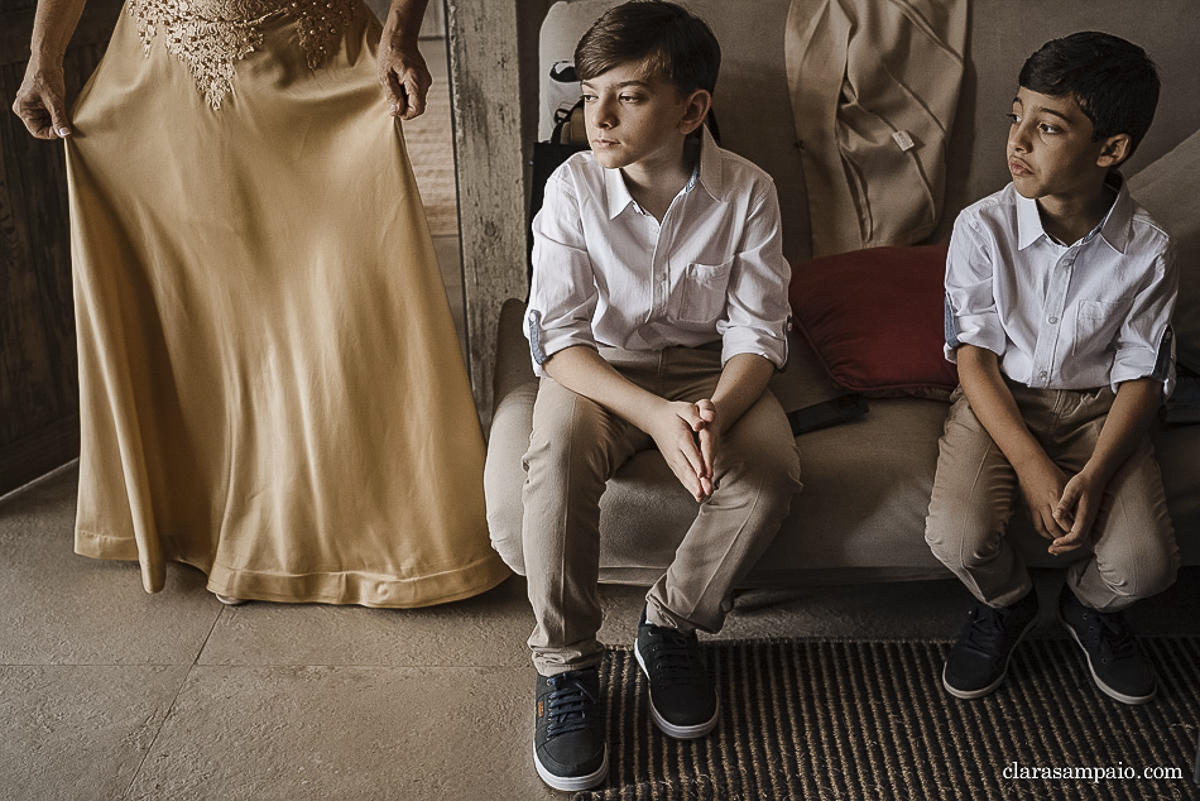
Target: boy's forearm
583	371
1134	407
994	405
742	383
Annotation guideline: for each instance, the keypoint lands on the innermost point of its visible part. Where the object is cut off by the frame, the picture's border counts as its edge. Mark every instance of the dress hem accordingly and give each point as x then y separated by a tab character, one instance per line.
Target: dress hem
343	588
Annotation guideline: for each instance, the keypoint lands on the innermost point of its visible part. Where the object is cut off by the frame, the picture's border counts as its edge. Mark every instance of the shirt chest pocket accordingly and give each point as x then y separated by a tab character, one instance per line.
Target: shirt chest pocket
1096	323
699	296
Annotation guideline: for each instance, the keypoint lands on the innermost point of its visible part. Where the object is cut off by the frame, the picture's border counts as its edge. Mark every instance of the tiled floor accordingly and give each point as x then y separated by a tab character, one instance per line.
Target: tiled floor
109	693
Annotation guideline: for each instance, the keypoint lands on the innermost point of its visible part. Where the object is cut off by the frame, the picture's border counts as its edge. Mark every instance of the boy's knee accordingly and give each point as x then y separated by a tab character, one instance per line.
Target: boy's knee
962	540
1154	581
1147	569
771	464
762	441
509	546
938	539
766	485
781	474
568	438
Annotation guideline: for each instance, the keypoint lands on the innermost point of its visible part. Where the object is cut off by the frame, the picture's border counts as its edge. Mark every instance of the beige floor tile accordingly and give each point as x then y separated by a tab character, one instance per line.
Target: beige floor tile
488	630
346	733
61	608
76	733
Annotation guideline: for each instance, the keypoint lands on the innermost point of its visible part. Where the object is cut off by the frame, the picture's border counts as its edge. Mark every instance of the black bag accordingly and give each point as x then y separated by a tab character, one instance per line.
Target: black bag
547	156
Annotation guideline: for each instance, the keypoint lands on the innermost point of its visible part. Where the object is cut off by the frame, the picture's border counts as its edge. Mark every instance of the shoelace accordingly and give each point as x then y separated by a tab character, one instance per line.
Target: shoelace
1112	636
674	660
569	706
985	630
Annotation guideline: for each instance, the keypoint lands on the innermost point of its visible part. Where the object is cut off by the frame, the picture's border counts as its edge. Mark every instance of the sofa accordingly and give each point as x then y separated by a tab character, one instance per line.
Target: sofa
865	383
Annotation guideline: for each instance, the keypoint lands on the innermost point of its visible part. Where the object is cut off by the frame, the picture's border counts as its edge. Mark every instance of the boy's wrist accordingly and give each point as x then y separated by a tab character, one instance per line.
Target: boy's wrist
1096	472
1034	459
657	410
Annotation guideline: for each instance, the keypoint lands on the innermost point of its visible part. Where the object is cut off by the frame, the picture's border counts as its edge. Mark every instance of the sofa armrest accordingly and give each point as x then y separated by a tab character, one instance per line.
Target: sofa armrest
513	369
515	388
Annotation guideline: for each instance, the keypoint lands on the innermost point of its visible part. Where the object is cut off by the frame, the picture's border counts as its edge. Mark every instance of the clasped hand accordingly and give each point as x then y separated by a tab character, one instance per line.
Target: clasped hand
688	435
1063	510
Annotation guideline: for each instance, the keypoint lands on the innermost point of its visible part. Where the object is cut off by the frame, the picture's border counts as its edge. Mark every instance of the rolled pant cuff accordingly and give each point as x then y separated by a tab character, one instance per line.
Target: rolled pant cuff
550	668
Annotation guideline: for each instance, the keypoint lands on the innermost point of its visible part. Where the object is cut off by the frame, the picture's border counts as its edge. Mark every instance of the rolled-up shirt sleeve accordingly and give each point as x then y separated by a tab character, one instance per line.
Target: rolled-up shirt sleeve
757	310
1144	343
971	315
563	294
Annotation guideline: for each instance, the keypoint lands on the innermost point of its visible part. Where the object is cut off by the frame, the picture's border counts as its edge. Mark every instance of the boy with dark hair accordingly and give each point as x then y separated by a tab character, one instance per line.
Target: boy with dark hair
1059	294
658	312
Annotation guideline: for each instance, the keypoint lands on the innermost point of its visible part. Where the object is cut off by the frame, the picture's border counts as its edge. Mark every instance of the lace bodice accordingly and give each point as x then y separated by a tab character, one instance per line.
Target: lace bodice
209	36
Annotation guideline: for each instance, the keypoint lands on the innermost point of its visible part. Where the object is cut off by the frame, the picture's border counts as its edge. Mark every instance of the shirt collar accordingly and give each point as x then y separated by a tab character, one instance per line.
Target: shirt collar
711	175
707	174
615	192
1116	228
1117	225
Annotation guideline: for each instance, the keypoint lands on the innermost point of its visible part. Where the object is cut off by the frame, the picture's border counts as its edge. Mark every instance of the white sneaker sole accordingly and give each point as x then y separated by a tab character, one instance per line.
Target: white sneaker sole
572	784
693	732
971	695
1104	688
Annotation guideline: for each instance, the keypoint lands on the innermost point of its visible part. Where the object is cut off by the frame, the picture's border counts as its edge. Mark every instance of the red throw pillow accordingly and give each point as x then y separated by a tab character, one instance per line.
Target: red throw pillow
876	319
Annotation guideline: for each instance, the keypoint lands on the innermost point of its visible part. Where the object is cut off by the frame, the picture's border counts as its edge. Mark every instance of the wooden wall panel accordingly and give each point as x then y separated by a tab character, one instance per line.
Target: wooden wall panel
493	58
39	387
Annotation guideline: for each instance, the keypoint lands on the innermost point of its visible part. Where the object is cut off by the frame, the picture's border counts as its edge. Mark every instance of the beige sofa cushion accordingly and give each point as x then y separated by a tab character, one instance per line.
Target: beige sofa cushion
1168	190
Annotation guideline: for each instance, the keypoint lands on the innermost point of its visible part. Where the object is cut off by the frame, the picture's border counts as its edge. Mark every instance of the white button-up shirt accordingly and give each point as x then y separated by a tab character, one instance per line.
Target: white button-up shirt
1092	314
605	272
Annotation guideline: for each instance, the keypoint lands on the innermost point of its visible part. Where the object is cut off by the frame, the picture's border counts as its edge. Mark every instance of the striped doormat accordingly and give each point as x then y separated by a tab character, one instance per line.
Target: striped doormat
870	720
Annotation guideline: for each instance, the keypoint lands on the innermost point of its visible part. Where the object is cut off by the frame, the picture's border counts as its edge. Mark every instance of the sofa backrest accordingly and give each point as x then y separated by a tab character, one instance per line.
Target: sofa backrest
755	114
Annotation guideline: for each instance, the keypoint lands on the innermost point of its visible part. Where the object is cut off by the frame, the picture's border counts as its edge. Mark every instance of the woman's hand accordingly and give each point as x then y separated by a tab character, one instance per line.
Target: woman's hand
403	73
41	101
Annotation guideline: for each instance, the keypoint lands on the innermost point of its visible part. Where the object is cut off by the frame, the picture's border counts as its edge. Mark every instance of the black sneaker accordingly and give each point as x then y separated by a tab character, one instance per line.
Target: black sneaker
1113	657
568	742
683	701
978	662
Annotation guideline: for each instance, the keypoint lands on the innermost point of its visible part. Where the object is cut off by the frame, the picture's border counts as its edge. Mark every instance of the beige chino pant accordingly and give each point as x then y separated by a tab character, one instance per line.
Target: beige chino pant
1131	553
577	445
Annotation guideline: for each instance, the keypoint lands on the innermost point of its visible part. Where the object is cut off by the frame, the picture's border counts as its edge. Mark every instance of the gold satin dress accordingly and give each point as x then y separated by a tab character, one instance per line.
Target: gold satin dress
271	386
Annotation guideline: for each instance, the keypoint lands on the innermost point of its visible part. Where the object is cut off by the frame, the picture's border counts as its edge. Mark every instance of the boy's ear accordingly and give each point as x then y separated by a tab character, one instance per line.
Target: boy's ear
1115	149
698	104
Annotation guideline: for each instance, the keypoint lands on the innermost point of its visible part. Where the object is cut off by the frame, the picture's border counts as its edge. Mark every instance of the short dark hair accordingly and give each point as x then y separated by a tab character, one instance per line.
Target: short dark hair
673	43
1114	82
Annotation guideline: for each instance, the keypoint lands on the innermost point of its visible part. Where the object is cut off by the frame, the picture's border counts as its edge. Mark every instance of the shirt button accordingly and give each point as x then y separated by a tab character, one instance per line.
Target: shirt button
1042	374
1053	321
